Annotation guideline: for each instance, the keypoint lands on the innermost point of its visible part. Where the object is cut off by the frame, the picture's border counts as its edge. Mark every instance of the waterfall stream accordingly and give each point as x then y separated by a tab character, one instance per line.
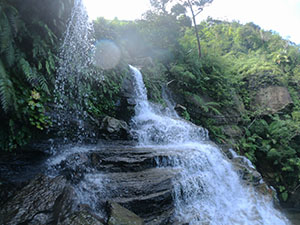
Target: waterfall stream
173	174
208	189
73	72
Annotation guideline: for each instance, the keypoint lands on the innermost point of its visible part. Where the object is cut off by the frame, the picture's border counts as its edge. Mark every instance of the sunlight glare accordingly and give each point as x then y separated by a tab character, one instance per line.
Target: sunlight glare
107	54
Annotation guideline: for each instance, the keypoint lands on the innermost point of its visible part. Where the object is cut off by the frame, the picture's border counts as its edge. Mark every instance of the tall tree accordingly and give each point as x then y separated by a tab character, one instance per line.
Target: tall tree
196	7
160	5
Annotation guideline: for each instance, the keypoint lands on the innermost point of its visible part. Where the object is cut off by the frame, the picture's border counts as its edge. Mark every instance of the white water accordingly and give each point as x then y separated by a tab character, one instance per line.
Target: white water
153	126
208	190
73	72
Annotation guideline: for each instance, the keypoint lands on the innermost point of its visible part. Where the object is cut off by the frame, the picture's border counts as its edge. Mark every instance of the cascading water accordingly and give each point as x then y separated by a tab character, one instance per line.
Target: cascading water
208	189
152	126
76	54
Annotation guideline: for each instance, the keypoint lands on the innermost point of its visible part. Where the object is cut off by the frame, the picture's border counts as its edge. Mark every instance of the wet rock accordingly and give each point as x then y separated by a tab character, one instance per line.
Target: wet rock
7	190
247	171
114	129
125	110
147	193
74	167
34	202
64	205
82	218
122	216
135	182
272	99
123	159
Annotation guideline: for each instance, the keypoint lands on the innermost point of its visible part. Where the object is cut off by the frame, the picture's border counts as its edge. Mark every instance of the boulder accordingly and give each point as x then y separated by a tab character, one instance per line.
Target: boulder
114	129
246	170
272	99
64	206
122	216
47	200
34	203
252	177
73	167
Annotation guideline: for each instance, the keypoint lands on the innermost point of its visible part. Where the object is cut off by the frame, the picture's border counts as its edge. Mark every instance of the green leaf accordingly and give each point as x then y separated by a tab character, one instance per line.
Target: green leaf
284	195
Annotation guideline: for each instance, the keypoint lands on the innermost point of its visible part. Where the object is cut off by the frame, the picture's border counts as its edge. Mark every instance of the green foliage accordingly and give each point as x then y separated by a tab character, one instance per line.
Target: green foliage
36	112
104	95
7	93
268	145
186	115
154	79
28	43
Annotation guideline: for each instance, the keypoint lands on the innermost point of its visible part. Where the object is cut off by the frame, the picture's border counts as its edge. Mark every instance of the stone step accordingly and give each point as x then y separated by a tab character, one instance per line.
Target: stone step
125	160
147	193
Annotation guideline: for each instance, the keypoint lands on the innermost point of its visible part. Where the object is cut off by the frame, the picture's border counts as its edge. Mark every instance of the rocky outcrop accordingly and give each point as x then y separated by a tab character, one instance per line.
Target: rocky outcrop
272	99
114	129
249	174
48	200
122	216
35	203
134	181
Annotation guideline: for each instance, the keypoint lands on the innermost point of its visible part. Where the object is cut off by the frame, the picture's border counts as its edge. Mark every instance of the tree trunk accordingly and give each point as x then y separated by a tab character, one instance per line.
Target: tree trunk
196	29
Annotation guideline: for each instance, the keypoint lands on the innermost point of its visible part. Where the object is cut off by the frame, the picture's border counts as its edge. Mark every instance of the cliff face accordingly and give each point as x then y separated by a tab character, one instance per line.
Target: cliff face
272	99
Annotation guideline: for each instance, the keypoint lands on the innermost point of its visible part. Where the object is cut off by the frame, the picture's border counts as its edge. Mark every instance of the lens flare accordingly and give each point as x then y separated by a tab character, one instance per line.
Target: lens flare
107	54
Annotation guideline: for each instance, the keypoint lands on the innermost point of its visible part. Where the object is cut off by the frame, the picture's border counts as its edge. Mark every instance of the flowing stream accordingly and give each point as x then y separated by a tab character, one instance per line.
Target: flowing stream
208	190
174	175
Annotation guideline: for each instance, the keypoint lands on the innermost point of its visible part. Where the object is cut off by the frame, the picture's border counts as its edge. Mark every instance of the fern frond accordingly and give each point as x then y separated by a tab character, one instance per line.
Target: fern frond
10	55
27	71
12	16
33	77
5	32
43	83
7	92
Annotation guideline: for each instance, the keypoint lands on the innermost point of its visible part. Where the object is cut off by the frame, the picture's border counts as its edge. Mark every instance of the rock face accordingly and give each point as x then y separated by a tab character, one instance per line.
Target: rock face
53	201
138	184
122	216
131	179
114	129
250	175
272	99
34	203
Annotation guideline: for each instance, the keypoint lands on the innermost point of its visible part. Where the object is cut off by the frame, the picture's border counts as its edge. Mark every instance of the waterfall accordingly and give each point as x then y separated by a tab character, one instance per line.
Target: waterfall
153	126
75	58
208	189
